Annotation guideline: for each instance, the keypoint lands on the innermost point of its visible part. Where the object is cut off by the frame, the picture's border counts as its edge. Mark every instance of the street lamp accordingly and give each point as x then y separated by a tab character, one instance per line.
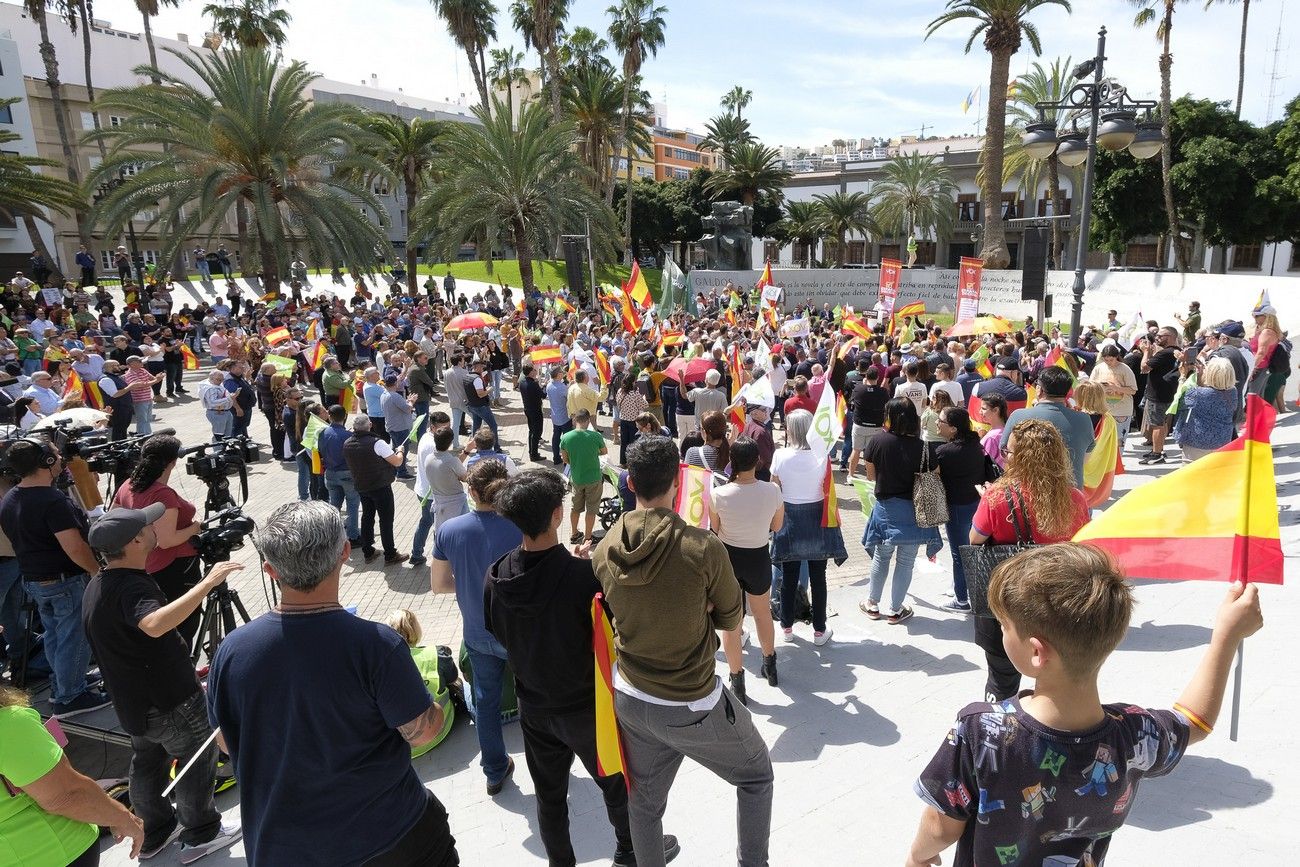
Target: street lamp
1115	130
105	189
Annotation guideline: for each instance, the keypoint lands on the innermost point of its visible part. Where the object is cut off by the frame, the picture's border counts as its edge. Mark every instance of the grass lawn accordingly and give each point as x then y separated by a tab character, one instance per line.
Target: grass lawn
547	274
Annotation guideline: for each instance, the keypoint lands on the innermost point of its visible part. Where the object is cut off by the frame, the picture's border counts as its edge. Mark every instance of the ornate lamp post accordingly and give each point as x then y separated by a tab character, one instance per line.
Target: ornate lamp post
1112	123
104	190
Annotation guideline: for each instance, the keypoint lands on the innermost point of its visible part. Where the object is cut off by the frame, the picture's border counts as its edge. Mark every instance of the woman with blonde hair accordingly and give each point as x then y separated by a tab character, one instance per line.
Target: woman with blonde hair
1035	498
438	678
939	401
1272	355
1103	463
1211	409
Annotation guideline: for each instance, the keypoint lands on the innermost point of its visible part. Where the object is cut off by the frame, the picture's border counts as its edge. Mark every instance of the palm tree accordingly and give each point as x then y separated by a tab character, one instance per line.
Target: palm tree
752	169
1162	12
805	223
1040	84
723	133
1002	23
636	29
506	72
1241	52
243	133
38	10
736	99
637	140
24	193
541	22
593	99
83	18
247	23
472	25
842	213
148	9
584	49
406	149
915	194
527	180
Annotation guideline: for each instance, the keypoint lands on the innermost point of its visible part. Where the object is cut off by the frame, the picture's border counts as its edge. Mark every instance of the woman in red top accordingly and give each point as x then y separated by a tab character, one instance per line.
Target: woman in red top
174	564
1039	486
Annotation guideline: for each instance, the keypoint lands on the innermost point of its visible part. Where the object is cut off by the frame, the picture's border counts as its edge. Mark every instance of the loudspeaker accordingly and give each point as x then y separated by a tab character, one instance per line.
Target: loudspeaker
1047	307
1033	263
574	273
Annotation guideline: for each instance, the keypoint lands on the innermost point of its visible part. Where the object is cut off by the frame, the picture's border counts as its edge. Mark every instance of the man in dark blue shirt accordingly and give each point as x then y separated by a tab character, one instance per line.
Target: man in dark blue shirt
338	478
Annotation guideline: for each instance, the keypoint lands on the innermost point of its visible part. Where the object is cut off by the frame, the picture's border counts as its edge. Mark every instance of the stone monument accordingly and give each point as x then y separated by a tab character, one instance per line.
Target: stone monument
728	237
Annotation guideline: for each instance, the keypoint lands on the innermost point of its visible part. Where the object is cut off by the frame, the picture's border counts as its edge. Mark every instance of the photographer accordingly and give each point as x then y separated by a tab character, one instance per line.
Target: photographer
133	627
173	563
313	701
48	533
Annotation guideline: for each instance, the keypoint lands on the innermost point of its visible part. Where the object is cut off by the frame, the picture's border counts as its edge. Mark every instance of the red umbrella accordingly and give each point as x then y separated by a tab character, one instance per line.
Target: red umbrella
696	368
470	321
675	369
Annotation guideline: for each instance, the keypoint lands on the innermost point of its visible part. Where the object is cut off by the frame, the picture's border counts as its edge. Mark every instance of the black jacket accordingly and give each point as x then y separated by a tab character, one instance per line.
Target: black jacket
370	472
538	605
530	391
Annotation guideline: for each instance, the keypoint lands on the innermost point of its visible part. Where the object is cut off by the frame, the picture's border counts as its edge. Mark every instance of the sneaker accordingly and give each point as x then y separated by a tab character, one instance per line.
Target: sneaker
957	606
91	699
736	680
788	635
627	858
822	638
768	669
900	615
371	556
494	789
1153	460
156	843
226	835
576	539
417	562
395	559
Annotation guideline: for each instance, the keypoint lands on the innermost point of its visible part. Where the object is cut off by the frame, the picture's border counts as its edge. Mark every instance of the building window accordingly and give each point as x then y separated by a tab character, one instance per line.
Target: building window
681	174
968	208
106	259
771	251
6	114
1246	257
1010	206
150	257
925	251
857	252
403	217
115	120
1045	208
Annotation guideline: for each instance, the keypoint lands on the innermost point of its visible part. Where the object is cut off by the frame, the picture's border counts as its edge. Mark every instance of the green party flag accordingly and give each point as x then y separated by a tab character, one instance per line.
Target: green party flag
838	313
283	366
311	433
688	294
865	497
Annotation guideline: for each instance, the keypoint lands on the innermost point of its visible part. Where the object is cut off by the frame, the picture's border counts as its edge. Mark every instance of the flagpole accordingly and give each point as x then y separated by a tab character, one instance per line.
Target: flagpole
1249	450
1236	694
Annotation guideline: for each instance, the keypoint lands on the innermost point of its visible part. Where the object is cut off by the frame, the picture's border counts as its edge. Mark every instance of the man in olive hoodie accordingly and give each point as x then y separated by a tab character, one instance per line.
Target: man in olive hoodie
537	603
670	588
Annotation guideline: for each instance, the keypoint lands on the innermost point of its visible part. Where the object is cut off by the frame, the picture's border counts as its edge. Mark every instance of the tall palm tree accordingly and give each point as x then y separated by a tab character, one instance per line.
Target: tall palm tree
148	9
242	133
805	223
506	72
737	99
247	23
1241	52
542	22
593	99
637	140
583	49
752	169
1003	24
636	29
406	150
723	133
472	25
842	213
38	11
83	20
915	194
527	180
25	193
1161	12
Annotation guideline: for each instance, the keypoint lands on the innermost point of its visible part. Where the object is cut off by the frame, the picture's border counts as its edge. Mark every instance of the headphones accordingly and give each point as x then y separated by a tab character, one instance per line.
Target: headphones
48	457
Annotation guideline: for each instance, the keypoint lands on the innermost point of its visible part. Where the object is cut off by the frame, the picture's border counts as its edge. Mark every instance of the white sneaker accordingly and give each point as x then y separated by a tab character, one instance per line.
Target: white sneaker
821	638
225	837
788	635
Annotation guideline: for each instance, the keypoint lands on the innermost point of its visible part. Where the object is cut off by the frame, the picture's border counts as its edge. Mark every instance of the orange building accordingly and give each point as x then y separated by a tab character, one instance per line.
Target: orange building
677	154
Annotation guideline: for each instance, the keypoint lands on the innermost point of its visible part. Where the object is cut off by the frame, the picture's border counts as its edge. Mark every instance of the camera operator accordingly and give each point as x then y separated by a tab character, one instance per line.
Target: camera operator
12	599
117	399
48	533
132	626
173	562
312	702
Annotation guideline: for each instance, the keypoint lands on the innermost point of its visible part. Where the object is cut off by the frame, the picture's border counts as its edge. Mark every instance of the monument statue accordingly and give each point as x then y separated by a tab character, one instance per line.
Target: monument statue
728	237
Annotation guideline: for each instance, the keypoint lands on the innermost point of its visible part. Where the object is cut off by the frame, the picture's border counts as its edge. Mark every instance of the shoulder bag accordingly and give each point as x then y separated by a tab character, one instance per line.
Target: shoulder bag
978	561
928	496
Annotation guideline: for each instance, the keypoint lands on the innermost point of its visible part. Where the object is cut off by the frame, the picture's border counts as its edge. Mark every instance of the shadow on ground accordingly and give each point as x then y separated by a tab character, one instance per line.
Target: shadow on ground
1198	787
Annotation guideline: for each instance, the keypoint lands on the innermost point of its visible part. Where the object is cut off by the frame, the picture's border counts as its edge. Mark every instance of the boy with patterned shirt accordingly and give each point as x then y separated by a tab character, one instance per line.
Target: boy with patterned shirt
1047	777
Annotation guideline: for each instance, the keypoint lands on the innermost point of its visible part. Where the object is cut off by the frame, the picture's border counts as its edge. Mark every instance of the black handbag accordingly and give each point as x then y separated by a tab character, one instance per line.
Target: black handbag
978	561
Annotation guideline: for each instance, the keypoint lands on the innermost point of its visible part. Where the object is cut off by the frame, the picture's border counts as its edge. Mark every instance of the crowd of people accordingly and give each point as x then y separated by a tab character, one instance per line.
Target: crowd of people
1025	430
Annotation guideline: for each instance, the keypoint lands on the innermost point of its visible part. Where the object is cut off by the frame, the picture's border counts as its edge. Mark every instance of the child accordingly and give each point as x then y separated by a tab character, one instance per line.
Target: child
1051	775
438	678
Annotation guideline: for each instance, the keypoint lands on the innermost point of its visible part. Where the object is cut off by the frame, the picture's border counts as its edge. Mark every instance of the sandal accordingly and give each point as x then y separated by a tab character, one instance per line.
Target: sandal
900	615
871	609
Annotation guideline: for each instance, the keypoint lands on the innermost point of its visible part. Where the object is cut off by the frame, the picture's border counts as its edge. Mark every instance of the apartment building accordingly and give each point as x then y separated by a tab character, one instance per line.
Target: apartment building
677	154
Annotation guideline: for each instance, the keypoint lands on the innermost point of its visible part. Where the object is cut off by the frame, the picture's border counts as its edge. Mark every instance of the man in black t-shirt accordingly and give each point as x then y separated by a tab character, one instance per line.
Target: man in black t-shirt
868	402
147	669
1160	364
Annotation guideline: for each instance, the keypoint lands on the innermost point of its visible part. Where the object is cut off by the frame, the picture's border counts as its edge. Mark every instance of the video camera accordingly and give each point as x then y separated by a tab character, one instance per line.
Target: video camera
212	462
222	533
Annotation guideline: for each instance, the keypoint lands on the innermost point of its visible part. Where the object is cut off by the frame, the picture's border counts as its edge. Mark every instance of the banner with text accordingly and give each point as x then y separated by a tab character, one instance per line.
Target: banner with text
694	495
890	269
968	288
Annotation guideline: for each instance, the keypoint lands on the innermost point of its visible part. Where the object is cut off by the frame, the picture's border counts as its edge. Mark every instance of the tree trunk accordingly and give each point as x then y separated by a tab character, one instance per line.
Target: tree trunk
270	264
84	14
1058	207
1241	55
627	220
38	244
553	84
1166	156
524	256
619	139
153	52
61	119
410	248
995	253
241	228
480	81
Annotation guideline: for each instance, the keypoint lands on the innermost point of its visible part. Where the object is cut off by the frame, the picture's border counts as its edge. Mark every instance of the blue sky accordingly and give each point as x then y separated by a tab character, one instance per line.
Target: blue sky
819	69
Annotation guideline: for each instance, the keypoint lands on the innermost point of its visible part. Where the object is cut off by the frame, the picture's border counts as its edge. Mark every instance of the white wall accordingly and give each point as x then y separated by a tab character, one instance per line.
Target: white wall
16	240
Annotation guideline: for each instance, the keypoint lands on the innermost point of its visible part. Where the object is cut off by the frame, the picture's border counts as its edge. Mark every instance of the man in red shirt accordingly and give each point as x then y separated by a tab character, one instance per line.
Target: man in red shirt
802	398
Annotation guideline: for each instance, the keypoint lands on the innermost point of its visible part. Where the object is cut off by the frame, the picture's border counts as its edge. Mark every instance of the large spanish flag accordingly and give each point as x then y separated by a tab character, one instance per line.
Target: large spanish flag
636	287
609	744
1214	519
765	279
189	360
852	326
546	355
276	335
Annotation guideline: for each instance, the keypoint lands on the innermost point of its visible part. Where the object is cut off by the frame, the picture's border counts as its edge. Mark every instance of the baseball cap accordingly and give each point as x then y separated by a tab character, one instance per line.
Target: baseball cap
117	527
969	365
390	379
1231	329
1006	362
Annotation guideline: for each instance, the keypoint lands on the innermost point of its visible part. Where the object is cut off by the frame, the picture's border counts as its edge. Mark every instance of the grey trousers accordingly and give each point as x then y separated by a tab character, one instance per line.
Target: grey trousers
655	740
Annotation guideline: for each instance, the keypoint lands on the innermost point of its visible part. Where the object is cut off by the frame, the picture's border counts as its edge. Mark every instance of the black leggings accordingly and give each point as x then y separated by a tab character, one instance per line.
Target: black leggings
816	589
1003	680
89	858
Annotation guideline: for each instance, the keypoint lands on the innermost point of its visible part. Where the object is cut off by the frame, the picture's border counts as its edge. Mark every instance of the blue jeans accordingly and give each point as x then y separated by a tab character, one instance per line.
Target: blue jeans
958	529
304	474
489	663
205	272
59	605
338	483
482	415
144	416
844	444
557	431
397	438
12	600
31	365
222	423
457	416
902	572
422	528
496	386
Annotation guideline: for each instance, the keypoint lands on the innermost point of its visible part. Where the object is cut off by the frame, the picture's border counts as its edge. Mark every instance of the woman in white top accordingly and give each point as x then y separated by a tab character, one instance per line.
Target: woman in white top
152	353
744	513
800	472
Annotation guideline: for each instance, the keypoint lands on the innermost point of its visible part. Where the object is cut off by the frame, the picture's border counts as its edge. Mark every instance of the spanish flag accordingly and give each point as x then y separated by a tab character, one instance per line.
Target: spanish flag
94	397
602	367
313	331
764	279
769	315
852	326
631	315
562	305
317	356
730	317
1170	529
276	335
347	400
1103	463
1067	361
830	500
637	288
73	386
609	743
188	358
546	355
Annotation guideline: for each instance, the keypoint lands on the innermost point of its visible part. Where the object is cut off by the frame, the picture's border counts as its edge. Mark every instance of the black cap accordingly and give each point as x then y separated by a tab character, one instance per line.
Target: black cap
117	527
1006	362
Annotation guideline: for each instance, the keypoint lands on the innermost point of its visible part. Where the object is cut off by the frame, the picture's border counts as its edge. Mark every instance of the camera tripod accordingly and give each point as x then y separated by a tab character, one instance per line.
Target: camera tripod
223	602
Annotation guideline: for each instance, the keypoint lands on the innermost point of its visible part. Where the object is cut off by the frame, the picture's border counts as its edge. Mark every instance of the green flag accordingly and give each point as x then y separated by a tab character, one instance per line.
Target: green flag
671	284
283	366
689	293
311	433
865	497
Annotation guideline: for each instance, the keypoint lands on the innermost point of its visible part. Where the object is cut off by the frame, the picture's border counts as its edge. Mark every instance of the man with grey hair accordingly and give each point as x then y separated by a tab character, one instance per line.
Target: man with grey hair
312	701
373	464
707	399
